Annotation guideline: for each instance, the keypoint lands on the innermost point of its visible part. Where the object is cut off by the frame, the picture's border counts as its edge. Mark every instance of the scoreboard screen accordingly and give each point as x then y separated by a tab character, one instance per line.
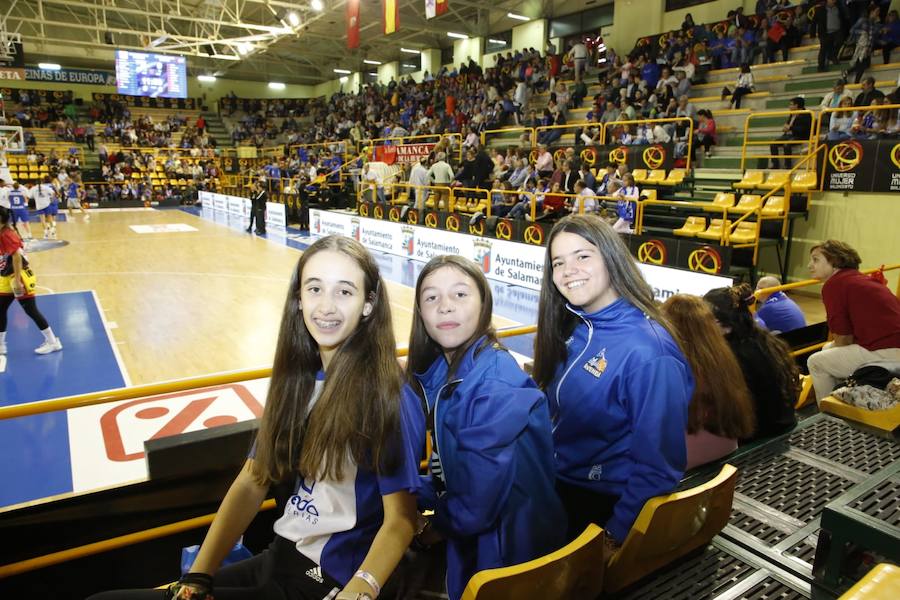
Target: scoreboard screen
153	75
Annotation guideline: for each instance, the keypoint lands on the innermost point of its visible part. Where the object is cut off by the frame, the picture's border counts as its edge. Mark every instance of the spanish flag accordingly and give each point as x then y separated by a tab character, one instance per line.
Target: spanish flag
435	8
391	17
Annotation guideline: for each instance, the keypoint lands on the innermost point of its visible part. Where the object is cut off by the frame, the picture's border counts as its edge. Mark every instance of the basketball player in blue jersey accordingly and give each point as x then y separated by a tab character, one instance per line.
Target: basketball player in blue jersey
73	197
18	205
46	203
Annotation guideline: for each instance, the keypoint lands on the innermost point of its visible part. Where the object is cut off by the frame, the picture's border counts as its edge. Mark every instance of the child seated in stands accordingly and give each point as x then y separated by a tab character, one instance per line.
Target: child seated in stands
841	125
721	411
769	370
554	203
617	382
491	475
585	200
626	204
348	511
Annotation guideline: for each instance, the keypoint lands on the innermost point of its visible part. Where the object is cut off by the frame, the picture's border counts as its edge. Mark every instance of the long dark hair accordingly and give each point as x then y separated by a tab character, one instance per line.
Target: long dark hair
556	322
422	349
357	413
721	403
731	307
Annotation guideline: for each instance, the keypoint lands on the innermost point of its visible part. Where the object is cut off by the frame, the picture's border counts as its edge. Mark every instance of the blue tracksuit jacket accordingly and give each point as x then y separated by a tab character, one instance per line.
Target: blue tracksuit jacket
619	407
492	481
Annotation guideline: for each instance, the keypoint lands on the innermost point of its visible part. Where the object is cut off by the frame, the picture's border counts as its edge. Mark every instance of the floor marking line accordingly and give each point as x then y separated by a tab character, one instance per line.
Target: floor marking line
112	341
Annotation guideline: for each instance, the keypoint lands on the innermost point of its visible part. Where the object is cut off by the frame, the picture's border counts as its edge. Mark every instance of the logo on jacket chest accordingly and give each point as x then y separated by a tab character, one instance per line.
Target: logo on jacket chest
596	365
302	505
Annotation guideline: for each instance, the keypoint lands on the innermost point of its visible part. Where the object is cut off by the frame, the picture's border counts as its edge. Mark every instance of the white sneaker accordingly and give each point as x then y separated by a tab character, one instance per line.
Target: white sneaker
2	348
48	347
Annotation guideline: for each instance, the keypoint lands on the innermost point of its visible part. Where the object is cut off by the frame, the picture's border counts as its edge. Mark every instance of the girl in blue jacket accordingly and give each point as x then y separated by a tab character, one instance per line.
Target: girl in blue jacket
617	382
491	474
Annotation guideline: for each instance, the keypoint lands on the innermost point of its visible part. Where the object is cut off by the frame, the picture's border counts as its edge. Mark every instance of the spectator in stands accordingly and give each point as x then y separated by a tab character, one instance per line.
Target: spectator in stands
743	86
418	176
868	93
440	174
334	356
618	384
705	134
769	370
835	97
864	30
579	54
888	36
543	165
840	125
797	127
779	313
627	198
721	411
863	316
494	478
585	200
831	23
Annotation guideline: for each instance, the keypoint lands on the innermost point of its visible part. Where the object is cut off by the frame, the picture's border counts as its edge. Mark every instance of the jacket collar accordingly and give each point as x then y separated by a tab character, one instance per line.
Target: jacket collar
436	374
616	311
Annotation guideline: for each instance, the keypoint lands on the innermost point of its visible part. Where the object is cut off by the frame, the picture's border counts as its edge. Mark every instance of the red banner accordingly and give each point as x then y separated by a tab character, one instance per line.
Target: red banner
352	23
402	153
391	15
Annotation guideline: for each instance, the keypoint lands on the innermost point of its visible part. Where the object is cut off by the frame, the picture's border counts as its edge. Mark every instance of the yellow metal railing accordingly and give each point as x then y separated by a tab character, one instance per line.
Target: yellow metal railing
687	120
747	142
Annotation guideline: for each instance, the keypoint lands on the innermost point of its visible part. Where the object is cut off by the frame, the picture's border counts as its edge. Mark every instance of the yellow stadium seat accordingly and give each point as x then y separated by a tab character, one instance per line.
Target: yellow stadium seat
640	175
750	180
747	203
774	180
881	583
885	420
401	198
774	206
675	177
723	200
804	396
656	176
671	526
573	571
714	231
803	181
744	233
692	226
649	194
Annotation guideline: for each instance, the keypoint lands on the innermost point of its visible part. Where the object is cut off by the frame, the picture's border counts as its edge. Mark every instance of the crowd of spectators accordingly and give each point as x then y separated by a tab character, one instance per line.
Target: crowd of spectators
120	126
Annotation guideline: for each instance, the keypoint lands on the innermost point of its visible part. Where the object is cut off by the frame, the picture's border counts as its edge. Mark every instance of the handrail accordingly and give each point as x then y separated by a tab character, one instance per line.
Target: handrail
809	282
177	385
690	121
532	137
55	558
860	109
776	113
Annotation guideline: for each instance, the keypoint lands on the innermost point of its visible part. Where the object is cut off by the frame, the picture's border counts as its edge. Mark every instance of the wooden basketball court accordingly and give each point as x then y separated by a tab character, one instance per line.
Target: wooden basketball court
182	304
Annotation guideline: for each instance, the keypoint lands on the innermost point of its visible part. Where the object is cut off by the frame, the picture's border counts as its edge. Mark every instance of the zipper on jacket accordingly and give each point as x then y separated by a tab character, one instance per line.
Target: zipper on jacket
437	446
574	362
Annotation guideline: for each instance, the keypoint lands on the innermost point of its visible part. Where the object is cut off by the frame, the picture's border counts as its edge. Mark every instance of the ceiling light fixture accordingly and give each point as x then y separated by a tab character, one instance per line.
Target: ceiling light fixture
276	85
517	17
409	66
344	79
206	78
317	5
226	57
410	51
243	48
49	67
496	41
459	36
342	71
293	19
371	62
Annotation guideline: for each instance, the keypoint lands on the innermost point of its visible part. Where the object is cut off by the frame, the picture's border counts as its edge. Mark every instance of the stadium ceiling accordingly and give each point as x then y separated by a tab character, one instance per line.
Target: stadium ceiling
251	39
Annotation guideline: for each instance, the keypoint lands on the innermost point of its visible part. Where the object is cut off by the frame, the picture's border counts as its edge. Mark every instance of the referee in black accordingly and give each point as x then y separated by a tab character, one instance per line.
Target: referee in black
258	200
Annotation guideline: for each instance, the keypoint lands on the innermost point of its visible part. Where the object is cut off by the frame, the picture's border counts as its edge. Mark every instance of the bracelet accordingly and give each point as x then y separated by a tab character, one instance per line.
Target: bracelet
370	579
423	528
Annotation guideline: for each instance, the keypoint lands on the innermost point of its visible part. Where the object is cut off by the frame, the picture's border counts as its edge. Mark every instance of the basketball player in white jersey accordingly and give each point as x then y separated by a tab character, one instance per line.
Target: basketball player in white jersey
46	203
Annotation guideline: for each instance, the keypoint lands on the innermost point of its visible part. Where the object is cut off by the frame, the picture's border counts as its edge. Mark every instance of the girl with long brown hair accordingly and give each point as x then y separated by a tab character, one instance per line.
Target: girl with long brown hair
617	382
721	411
338	432
769	370
491	472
